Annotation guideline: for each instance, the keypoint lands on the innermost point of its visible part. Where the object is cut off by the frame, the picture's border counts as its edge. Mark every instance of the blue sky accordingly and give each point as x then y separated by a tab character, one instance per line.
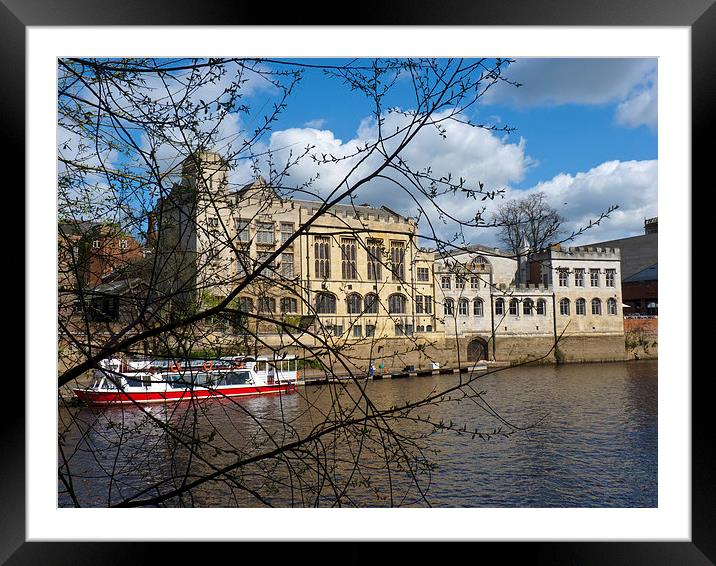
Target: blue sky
586	135
563	136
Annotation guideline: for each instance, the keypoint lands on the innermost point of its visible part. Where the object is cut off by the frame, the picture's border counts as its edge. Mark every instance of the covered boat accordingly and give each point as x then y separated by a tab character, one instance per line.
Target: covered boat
151	381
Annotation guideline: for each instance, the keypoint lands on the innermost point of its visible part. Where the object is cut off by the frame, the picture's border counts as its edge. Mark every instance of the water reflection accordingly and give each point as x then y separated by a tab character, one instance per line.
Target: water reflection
589	438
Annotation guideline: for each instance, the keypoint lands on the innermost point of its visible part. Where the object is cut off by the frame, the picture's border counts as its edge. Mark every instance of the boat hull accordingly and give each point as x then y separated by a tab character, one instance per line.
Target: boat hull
130	397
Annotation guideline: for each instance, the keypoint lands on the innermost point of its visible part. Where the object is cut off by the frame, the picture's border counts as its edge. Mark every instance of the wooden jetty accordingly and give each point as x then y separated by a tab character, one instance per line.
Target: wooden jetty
318	377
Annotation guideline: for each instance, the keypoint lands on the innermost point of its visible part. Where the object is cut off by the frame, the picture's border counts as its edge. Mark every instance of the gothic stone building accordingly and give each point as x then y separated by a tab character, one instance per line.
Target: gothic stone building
356	273
486	298
356	270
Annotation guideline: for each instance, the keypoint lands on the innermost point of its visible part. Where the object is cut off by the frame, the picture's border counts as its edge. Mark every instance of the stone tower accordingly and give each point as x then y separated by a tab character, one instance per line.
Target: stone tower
205	170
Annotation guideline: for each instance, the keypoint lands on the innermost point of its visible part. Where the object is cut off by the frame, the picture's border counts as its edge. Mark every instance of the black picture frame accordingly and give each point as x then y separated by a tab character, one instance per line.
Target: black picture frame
699	15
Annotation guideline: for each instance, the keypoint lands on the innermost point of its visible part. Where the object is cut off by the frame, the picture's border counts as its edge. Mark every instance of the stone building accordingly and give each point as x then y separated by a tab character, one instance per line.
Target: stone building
640	273
569	292
356	271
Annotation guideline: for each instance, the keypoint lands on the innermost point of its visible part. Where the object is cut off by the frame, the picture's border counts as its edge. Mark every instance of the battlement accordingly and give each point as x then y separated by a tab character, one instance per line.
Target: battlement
586	252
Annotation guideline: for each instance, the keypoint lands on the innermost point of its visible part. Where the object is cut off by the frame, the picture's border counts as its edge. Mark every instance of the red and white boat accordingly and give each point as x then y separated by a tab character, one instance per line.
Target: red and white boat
156	381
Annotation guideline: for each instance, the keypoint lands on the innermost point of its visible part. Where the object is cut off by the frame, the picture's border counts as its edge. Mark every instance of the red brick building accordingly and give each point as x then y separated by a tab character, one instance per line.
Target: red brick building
91	252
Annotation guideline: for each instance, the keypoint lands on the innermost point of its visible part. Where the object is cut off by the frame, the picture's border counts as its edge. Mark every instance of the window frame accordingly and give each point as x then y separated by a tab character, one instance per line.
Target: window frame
263	233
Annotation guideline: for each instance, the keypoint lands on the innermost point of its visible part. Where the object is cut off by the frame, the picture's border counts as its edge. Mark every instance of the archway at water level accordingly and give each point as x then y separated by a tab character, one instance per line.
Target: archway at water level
477	350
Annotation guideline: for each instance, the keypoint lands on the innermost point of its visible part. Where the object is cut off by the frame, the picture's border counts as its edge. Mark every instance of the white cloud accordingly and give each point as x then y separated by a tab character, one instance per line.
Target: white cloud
630	83
579	198
474	154
632	185
640	109
315	123
556	81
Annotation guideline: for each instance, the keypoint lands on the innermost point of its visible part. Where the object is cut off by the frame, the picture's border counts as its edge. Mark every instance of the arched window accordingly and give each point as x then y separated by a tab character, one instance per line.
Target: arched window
463	307
371	303
564	307
612	306
541	307
325	303
477	307
354	303
499	307
322	254
528	307
581	306
289	305
596	306
397	304
449	307
514	307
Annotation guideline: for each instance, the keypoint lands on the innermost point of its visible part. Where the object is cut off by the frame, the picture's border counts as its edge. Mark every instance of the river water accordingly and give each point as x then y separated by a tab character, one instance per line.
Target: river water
575	435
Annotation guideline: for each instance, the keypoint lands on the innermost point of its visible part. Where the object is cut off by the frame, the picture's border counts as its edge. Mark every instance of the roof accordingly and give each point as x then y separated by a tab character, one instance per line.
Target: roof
480	249
116	286
651	273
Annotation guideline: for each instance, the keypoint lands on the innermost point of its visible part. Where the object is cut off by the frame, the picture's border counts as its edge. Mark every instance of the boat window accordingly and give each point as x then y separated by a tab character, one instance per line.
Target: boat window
177	381
201	379
235	378
260	366
132	382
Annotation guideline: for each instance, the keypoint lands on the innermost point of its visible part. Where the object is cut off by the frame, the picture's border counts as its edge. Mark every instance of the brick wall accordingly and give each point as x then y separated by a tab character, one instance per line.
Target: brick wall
641	324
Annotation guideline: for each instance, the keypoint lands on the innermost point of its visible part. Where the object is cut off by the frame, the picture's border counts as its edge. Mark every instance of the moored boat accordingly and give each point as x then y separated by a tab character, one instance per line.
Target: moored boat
153	381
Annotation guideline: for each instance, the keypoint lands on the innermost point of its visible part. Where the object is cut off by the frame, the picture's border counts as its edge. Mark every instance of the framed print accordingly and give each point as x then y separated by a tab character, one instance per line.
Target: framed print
308	283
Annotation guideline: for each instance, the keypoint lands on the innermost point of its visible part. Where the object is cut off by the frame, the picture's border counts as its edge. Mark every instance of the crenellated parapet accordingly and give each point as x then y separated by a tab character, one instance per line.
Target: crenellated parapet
586	253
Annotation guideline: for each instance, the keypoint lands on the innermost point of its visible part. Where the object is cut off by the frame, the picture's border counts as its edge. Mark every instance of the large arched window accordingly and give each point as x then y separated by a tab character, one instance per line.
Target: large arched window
325	303
354	303
514	307
580	306
449	307
596	306
541	307
477	307
528	307
499	307
397	304
612	306
463	307
564	307
371	303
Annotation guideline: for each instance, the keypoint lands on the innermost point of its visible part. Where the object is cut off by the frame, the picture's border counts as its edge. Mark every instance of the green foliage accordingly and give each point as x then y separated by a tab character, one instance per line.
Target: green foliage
312	363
